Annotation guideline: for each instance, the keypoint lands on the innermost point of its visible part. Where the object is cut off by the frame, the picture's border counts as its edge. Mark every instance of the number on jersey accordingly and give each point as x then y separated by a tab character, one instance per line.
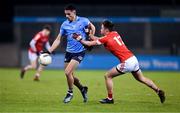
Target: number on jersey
118	40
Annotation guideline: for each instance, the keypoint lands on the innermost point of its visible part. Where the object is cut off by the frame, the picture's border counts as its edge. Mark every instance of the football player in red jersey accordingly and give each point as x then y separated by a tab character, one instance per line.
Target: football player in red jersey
128	62
37	44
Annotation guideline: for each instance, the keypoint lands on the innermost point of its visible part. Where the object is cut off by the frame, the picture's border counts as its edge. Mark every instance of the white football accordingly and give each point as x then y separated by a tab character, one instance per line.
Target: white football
45	59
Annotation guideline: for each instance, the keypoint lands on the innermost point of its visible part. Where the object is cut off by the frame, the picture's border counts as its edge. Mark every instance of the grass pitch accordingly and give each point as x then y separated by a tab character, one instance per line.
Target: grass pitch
25	95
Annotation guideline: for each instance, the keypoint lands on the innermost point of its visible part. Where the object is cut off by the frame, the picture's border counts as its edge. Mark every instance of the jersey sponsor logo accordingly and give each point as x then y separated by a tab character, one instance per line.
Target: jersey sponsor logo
65	59
80	57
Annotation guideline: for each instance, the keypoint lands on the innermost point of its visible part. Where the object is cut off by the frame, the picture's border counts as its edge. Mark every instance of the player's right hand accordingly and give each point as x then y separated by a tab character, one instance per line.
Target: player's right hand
76	36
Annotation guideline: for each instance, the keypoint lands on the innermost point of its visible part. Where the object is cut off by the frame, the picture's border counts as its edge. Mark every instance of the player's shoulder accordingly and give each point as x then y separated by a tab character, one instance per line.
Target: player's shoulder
65	23
114	33
39	34
80	17
83	18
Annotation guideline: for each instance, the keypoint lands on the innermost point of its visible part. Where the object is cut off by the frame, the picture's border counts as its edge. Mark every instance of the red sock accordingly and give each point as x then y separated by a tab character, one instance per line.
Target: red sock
110	96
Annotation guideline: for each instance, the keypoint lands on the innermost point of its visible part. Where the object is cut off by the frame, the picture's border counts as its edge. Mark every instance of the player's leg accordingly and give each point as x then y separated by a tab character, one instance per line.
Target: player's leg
76	80
109	84
133	67
38	72
33	64
69	72
78	84
138	75
83	89
70	80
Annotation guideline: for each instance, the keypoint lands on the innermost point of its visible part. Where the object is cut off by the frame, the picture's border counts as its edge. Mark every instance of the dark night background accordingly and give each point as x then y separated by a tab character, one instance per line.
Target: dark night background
7	9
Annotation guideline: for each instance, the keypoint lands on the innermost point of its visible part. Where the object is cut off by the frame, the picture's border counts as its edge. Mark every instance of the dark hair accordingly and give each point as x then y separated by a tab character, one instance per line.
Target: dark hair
47	27
70	7
108	24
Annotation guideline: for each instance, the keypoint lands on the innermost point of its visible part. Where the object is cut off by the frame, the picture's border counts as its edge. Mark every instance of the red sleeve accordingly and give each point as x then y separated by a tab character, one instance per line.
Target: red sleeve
37	37
102	40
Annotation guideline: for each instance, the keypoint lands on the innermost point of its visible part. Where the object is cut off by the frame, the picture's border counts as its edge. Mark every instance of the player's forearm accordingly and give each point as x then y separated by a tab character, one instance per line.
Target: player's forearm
94	38
88	43
32	45
55	44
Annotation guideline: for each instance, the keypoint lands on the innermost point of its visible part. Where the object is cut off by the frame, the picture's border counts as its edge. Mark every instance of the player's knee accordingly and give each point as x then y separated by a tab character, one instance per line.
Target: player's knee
107	75
40	69
67	72
33	66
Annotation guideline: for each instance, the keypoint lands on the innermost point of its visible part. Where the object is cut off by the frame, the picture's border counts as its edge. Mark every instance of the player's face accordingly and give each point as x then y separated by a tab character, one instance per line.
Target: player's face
47	32
70	15
102	30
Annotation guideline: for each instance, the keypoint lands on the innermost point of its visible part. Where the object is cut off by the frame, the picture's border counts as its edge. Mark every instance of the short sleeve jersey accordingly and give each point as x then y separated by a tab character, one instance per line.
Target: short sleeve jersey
68	28
115	45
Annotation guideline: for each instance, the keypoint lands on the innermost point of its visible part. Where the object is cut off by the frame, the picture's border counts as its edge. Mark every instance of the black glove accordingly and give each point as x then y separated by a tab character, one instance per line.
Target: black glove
46	52
37	53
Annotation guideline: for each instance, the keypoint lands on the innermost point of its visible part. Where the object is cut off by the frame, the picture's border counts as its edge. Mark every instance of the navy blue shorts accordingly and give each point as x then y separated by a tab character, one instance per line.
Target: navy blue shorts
75	56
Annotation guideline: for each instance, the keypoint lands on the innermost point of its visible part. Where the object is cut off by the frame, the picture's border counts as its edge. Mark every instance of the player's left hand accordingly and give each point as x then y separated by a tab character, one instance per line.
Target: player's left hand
46	52
87	29
37	53
76	36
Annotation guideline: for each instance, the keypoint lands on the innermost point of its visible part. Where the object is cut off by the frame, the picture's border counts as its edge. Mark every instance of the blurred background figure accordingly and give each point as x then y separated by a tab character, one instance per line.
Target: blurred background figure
37	45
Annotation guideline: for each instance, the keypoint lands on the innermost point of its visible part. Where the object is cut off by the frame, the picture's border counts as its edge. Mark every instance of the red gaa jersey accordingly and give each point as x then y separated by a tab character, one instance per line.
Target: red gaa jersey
113	42
39	42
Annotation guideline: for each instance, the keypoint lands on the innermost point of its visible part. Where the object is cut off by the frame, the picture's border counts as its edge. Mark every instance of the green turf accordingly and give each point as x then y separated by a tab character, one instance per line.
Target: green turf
25	95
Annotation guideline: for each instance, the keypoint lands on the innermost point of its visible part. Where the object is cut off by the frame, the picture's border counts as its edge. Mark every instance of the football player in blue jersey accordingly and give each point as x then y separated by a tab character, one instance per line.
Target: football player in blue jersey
75	51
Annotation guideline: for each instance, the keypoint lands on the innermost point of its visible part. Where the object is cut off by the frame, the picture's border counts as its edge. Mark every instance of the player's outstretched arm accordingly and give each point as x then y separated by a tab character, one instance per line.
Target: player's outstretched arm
89	43
79	38
93	37
55	43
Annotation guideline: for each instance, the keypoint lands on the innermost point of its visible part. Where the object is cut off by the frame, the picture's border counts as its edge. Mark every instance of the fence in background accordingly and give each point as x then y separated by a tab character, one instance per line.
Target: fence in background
146	34
154	35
